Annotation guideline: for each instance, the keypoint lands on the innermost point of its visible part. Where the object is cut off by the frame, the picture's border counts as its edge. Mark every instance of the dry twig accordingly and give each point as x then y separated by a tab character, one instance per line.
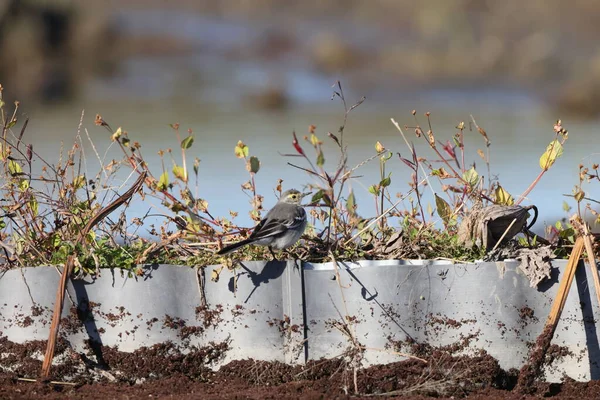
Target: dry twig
68	269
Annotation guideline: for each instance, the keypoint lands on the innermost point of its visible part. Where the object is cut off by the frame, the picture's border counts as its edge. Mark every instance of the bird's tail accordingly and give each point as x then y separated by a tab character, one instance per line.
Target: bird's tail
235	246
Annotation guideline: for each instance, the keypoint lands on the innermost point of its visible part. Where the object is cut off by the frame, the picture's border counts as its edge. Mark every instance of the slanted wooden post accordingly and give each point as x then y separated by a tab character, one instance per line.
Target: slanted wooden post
60	293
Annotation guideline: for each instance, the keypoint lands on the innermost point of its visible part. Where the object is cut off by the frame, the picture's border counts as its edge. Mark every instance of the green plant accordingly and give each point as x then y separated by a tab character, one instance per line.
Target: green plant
41	216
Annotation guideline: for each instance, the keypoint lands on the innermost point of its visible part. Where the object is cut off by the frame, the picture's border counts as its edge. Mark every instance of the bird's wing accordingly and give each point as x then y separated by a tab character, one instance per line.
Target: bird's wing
267	228
270	226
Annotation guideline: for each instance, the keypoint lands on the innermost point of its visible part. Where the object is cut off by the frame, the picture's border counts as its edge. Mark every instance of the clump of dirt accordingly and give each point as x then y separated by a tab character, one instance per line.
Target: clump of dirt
184	331
556	352
210	316
526	313
187	332
532	370
284	325
425	350
173	322
237	311
36	311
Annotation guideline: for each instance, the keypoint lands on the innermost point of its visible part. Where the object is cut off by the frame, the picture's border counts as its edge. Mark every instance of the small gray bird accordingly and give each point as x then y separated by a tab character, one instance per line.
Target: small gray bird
280	228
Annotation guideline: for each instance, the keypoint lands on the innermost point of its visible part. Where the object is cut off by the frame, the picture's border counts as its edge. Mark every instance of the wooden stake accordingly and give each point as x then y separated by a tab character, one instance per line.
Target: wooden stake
531	369
60	293
582	227
589	249
565	283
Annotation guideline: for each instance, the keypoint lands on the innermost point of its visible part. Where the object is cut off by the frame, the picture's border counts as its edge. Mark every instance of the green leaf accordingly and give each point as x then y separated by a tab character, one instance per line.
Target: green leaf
56	240
11	123
373	189
163	182
179	173
320	159
177	207
255	215
351	204
553	151
453	220
441	172
579	195
327	199
115	136
443	209
567	233
558	225
187	142
78	182
385	182
503	197
23	184
253	165
14	168
314	140
33	205
317	196
202	205
471	177
566	207
241	150
2	223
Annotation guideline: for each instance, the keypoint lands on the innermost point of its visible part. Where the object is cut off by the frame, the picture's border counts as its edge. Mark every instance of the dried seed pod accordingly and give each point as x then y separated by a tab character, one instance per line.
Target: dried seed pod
431	138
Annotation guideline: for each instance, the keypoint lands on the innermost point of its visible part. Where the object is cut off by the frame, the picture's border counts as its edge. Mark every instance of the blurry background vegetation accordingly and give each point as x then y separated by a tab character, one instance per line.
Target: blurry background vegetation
55	50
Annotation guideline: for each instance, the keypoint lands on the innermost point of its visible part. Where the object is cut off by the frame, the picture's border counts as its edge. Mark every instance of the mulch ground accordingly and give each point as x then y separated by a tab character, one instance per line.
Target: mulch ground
164	371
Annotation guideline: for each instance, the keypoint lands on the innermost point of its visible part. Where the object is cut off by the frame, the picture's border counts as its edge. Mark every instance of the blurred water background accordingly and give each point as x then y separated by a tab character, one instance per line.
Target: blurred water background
257	70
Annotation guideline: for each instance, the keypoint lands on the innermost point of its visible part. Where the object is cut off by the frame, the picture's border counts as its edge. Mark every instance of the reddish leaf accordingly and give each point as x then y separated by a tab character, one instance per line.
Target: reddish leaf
407	162
296	145
449	149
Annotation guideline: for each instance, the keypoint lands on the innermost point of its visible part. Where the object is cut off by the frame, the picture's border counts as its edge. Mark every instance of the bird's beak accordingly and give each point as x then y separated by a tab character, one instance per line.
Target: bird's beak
305	194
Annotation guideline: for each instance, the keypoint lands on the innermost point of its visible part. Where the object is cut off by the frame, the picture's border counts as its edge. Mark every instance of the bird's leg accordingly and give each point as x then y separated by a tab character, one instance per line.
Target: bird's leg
273	254
296	265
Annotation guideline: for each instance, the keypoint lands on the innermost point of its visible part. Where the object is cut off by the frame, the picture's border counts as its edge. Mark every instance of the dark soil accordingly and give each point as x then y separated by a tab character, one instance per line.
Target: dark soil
167	371
531	370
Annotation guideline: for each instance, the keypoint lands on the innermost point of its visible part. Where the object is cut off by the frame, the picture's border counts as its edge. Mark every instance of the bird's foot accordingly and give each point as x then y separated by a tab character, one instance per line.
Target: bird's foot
273	254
